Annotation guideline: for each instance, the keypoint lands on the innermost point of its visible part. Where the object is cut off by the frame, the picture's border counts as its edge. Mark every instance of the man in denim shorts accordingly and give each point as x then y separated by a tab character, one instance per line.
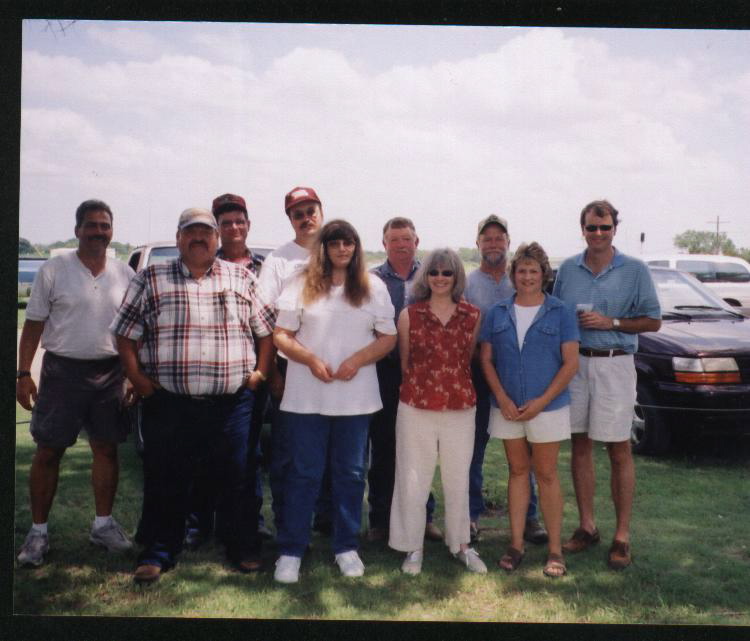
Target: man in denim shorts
616	300
73	300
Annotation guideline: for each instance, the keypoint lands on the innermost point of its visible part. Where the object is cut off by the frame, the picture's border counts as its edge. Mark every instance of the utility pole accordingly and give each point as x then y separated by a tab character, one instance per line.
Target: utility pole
718	237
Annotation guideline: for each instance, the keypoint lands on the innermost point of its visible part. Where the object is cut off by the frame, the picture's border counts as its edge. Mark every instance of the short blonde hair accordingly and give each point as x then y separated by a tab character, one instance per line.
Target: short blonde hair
531	251
439	258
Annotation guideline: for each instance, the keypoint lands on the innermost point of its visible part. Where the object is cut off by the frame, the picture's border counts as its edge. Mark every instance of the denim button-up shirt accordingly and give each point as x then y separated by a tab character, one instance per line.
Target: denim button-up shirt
526	372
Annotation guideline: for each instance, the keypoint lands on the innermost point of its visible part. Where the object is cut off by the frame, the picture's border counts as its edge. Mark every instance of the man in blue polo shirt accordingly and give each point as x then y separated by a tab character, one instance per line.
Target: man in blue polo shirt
616	300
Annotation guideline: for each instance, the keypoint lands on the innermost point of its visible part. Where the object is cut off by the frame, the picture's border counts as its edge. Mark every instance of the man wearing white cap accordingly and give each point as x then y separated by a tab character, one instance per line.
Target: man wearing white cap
196	370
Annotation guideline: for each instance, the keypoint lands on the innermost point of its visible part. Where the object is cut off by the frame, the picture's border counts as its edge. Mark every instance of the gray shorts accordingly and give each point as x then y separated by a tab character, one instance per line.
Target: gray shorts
77	395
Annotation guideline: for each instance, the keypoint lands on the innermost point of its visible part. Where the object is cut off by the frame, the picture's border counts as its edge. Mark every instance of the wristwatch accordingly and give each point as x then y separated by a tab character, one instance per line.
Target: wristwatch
615	323
21	373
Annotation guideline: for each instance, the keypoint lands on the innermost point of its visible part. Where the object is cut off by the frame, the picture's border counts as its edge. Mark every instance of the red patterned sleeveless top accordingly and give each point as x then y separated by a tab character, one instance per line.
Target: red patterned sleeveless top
438	374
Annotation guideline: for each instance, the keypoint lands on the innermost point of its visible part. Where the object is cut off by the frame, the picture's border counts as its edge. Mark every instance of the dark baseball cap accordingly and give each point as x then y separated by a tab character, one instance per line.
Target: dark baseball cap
228	202
300	195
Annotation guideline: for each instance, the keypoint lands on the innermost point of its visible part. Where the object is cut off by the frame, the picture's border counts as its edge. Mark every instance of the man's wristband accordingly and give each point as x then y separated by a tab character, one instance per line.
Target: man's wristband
22	373
261	375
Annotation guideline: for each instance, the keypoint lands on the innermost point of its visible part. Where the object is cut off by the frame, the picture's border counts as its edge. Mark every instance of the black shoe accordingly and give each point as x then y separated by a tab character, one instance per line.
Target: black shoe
535	533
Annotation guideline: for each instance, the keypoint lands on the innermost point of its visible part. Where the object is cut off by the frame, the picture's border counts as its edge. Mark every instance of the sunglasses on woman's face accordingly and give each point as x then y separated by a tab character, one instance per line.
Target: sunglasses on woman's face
336	244
446	273
593	228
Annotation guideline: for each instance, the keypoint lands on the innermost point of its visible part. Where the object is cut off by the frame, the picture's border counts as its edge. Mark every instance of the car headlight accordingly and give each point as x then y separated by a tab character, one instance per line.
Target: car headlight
701	371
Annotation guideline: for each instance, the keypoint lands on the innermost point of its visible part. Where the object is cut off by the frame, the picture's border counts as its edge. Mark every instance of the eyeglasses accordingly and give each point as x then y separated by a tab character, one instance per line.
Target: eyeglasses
301	214
593	228
335	244
446	273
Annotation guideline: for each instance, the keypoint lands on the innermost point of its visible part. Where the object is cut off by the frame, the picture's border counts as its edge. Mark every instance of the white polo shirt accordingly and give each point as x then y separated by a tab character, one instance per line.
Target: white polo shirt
78	307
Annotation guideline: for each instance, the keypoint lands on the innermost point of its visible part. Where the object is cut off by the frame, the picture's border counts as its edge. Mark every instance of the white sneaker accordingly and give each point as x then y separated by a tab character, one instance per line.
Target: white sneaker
413	562
350	564
287	569
111	536
470	558
34	547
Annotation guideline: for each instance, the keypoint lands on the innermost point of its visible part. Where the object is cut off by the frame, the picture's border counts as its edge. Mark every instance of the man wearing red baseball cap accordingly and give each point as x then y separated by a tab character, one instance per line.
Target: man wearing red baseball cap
305	213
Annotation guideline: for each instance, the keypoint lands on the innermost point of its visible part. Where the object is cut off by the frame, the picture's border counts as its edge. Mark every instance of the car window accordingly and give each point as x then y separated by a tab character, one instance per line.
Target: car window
133	262
659	263
677	290
732	273
162	254
27	269
703	270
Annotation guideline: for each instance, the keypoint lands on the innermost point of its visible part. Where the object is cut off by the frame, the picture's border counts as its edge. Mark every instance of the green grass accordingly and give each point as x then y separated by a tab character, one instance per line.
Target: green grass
691	558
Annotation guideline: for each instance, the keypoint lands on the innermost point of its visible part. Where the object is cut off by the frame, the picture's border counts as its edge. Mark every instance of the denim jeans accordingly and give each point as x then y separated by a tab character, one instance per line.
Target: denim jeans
481	438
177	431
382	473
315	440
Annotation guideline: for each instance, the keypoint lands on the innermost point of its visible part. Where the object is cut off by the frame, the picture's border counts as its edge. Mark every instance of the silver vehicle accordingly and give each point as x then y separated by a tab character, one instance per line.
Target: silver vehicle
161	252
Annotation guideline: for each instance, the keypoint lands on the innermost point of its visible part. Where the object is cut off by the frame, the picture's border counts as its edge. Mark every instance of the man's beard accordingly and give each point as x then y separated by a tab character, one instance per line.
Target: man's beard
494	259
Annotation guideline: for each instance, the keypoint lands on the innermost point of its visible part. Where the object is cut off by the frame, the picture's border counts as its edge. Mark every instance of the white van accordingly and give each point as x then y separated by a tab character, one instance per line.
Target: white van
727	276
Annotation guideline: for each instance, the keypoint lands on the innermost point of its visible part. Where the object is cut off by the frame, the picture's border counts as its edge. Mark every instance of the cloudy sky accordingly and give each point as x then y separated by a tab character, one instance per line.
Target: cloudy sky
442	124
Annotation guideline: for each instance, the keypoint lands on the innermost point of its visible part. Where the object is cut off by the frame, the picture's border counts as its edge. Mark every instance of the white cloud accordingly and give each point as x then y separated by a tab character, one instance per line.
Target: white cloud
130	41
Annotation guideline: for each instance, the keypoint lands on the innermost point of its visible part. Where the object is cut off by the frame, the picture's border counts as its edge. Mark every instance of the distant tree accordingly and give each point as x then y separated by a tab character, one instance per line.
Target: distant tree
25	248
704	242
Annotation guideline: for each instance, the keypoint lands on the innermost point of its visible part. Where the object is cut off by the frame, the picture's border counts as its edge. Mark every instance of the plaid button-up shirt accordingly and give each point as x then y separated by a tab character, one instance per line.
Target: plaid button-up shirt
197	335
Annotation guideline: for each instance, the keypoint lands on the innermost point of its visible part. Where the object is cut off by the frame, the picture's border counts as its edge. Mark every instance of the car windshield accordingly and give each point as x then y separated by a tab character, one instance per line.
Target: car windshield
27	269
682	294
162	254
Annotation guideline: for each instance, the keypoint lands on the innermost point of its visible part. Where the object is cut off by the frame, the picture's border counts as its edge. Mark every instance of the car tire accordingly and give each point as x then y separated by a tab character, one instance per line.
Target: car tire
649	433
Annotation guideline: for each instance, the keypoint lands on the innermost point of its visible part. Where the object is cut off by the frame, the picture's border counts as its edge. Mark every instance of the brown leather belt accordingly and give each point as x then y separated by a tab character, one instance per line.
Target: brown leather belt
585	351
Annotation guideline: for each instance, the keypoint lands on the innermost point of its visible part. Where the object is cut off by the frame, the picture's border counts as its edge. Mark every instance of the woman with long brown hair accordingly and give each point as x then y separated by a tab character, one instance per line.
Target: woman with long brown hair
334	322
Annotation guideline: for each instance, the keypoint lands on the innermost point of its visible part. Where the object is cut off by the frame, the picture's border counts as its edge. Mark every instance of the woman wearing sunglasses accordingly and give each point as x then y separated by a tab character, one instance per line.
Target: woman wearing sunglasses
529	354
334	322
437	401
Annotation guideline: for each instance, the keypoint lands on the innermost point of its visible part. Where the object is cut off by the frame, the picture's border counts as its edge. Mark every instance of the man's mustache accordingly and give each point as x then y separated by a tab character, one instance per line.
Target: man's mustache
102	238
198	242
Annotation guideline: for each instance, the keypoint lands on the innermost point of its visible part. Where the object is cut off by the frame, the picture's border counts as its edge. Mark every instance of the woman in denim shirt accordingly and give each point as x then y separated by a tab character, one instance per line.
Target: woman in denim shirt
529	354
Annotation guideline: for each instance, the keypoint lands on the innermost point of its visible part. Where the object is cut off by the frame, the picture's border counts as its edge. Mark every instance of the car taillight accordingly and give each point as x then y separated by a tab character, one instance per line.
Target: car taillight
705	371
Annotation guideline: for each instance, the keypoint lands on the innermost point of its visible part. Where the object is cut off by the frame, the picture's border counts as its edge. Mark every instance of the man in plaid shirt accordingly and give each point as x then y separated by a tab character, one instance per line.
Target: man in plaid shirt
185	337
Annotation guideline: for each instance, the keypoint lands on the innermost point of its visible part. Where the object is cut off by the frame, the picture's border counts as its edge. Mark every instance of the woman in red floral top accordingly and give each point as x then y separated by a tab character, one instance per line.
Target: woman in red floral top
437	335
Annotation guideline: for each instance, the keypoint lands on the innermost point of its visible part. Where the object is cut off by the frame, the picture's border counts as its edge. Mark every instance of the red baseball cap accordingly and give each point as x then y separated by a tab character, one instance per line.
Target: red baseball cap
219	206
300	195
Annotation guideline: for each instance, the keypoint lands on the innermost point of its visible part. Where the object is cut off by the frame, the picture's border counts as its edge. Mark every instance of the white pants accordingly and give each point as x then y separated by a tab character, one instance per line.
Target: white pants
421	437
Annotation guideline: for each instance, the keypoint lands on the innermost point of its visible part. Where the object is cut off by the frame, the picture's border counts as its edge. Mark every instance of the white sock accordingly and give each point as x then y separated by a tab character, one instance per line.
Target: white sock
101	521
39	527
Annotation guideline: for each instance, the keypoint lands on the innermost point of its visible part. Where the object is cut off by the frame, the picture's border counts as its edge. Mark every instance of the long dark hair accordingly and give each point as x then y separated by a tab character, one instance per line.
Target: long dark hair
319	271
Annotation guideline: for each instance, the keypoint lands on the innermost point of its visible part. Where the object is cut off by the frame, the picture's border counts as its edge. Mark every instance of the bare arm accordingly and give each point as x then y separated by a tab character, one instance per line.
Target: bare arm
636	325
286	341
29	343
403	339
382	344
507	406
564	375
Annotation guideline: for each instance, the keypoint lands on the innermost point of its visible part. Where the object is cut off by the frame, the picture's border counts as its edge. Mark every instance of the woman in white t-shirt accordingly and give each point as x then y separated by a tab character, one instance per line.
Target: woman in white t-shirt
335	321
529	354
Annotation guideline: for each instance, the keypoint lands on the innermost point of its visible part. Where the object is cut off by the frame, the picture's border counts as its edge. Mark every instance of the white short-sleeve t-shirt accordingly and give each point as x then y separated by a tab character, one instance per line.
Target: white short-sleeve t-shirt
77	307
524	318
333	329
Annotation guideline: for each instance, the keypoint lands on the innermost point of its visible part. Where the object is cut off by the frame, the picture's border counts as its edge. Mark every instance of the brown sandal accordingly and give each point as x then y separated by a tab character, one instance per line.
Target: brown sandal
619	556
555	566
511	559
581	540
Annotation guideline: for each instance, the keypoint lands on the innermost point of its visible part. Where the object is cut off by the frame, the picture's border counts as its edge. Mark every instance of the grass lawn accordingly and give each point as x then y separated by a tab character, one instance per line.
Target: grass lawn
692	560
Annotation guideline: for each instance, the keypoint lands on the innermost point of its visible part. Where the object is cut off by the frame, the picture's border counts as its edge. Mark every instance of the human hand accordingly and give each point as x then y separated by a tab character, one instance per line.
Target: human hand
594	320
253	380
508	409
26	392
320	370
530	409
347	370
131	396
143	386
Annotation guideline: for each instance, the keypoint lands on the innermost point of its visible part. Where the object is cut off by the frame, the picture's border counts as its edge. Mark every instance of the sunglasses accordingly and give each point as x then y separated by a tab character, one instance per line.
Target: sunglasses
593	228
299	214
445	273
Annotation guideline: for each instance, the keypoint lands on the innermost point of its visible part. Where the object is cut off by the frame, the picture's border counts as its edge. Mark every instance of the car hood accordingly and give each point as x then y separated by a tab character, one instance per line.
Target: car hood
699	336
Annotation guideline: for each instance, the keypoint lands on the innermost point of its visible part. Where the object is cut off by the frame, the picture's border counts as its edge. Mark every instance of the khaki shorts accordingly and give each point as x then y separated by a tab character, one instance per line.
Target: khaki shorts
602	397
545	427
77	395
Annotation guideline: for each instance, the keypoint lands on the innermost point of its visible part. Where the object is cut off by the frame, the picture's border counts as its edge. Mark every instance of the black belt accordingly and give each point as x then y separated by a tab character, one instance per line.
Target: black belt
585	351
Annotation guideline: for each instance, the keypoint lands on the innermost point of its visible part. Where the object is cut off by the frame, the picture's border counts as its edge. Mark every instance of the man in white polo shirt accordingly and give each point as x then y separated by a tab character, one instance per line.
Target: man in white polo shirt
73	301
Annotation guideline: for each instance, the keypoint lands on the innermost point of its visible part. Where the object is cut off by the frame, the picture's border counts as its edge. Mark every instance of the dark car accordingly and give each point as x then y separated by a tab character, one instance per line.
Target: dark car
694	373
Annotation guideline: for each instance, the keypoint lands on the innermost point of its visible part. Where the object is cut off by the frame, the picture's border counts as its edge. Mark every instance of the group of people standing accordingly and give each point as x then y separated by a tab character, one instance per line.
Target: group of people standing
403	366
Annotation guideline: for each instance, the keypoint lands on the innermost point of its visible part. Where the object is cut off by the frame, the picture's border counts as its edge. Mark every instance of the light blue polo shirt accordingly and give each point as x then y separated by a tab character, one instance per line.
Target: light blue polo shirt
484	291
623	289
